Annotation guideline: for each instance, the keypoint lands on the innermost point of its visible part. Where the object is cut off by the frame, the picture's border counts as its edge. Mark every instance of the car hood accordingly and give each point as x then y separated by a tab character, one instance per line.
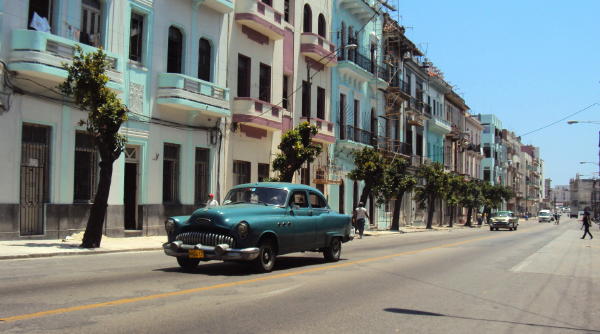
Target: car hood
228	215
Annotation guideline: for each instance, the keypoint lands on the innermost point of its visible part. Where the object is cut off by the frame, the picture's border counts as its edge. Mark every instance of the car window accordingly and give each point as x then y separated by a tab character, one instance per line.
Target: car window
298	199
256	195
317	201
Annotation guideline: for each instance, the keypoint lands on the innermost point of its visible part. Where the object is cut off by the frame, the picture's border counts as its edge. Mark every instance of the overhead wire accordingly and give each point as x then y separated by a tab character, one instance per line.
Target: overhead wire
561	120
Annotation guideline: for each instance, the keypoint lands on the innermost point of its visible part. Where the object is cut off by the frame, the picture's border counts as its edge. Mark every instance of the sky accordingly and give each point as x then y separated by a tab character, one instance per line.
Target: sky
529	62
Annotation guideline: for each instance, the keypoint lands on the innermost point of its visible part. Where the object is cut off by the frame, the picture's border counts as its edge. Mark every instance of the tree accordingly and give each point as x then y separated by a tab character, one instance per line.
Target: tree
494	196
370	166
472	197
86	84
435	181
296	148
396	182
455	186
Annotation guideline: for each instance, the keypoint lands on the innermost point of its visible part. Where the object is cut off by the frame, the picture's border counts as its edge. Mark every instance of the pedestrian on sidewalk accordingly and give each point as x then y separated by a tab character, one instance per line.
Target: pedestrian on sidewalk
360	213
212	202
586	225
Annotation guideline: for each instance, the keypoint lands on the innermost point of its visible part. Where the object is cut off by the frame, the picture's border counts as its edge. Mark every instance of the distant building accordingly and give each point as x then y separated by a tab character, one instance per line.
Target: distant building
583	196
561	195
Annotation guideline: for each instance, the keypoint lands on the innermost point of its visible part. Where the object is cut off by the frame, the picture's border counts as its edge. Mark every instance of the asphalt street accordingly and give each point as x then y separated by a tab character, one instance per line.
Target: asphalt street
541	278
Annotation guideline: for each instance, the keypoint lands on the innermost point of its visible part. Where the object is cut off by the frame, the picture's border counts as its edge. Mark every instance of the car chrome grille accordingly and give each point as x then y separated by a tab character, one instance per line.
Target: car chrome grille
205	238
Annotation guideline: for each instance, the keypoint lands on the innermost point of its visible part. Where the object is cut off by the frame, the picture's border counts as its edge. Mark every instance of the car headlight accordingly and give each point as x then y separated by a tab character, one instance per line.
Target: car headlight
243	229
170	225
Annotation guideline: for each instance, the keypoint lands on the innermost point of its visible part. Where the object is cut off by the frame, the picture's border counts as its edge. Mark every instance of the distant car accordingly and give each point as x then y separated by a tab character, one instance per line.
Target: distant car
256	223
545	216
504	219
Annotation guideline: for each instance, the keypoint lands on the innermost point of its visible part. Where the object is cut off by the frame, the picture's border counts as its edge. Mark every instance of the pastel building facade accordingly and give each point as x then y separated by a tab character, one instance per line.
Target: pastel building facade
493	166
167	69
357	98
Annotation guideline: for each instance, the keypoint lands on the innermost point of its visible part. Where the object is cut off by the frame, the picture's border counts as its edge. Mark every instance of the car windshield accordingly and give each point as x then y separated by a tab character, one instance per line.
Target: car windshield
256	195
501	214
544	213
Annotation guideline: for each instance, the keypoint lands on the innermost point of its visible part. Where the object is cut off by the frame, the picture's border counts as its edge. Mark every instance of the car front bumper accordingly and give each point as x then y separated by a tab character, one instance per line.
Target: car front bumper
219	252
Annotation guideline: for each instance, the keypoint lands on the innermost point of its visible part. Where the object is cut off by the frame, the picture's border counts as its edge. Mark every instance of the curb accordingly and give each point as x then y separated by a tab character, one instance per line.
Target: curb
91	252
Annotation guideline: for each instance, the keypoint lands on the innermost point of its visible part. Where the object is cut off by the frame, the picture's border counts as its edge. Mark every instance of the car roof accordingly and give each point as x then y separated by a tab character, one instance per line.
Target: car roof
279	185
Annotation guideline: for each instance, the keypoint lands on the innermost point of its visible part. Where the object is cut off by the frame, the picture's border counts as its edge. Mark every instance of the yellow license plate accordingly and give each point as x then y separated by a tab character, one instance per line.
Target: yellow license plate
196	254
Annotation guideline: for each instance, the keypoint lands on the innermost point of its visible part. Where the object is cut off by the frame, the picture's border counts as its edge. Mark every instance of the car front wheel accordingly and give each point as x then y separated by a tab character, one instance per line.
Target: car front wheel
266	257
187	263
334	251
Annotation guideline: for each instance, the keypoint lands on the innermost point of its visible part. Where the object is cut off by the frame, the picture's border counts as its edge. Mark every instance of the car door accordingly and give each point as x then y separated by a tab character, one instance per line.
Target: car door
303	220
320	213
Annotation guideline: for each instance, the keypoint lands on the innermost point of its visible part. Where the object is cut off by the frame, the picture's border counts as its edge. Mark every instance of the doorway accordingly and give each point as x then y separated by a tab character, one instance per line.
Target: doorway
130	191
35	155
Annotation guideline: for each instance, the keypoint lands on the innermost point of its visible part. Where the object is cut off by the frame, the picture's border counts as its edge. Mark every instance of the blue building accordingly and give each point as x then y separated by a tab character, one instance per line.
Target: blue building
494	163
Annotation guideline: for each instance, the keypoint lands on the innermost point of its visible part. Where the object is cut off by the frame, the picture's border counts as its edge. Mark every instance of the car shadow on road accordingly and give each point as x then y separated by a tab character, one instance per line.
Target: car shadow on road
53	244
244	268
432	314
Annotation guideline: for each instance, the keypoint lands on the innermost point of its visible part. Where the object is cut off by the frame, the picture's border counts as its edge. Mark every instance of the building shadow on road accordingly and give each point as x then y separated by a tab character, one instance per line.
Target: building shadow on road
45	244
243	268
432	314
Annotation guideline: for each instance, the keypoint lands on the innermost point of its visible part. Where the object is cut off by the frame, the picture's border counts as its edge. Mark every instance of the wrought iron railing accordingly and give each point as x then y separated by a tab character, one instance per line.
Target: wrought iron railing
357	135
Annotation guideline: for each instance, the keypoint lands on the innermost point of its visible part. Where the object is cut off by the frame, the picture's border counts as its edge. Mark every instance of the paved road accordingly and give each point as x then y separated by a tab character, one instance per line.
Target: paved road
539	279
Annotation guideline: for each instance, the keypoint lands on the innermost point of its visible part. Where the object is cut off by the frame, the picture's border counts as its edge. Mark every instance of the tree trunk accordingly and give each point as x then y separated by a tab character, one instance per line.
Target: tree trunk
430	210
396	215
469	214
93	230
441	223
452	209
365	194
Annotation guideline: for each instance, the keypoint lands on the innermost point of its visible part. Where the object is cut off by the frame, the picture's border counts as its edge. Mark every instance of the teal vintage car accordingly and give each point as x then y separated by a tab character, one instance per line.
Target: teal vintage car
257	222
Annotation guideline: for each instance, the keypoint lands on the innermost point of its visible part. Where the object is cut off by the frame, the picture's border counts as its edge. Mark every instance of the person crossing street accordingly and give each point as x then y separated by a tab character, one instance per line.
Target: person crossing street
586	225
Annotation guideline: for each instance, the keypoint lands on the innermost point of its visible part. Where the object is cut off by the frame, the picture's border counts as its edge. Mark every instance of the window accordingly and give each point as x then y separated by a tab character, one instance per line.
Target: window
171	173
268	2
43	8
342	197
201	185
175	50
286	92
342	43
90	22
204	59
298	199
487	175
241	172
305	99
136	36
317	201
320	103
322	27
356	114
320	175
355	195
342	116
86	168
263	172
264	85
305	175
286	10
487	151
307	18
243	76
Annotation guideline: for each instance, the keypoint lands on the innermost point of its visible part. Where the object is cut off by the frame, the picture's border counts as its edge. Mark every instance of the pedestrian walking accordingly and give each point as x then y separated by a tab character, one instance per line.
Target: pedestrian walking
556	218
212	202
586	225
360	215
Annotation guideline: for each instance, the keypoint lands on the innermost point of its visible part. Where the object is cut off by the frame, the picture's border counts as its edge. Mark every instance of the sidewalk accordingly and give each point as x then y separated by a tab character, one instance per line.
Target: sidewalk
19	249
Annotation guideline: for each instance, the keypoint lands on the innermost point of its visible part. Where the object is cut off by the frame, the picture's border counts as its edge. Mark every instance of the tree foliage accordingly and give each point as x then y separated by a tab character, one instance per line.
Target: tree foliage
86	83
435	186
472	197
396	182
453	195
296	148
370	165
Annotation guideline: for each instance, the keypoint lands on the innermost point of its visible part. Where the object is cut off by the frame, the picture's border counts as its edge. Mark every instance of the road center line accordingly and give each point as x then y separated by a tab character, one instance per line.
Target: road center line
232	284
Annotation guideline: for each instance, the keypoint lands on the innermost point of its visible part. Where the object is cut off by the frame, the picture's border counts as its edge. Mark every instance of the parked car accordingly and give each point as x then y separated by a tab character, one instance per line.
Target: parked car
504	219
256	223
545	216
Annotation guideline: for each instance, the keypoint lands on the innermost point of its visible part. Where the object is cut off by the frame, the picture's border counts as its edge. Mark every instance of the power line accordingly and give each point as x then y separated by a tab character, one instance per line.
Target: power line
561	120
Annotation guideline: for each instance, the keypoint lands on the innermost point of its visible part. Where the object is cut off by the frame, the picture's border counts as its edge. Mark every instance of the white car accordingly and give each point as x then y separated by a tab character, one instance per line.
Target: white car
545	216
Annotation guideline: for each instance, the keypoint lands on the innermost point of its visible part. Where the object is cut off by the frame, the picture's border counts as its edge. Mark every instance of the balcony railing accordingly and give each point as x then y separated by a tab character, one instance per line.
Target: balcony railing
394	146
364	62
357	135
400	84
415	105
427	109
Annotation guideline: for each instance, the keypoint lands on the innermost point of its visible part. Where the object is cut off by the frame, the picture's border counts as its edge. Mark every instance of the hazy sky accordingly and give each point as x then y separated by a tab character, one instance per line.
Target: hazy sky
530	62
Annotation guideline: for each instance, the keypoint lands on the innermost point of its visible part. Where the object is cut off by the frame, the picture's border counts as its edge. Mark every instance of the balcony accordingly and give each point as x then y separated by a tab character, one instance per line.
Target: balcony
260	17
401	87
257	113
325	128
221	6
353	138
414	106
40	55
360	67
361	9
318	49
394	146
180	92
440	126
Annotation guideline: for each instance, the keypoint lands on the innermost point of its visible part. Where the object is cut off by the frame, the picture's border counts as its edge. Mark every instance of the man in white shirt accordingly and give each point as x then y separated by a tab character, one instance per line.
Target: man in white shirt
360	214
212	202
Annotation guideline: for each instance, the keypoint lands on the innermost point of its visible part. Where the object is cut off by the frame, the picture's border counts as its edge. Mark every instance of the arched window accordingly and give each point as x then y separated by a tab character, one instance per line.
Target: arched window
322	26
204	59
175	50
307	18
